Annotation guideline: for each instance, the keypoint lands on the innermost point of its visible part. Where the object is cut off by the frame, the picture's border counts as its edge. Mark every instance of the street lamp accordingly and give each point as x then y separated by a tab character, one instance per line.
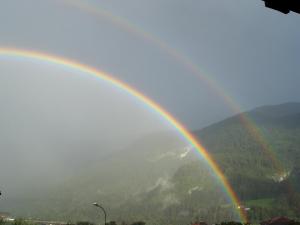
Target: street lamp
99	206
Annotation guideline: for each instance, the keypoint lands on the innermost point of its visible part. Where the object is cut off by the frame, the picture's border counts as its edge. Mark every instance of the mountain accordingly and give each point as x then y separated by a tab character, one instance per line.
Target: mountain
277	111
160	179
115	180
259	153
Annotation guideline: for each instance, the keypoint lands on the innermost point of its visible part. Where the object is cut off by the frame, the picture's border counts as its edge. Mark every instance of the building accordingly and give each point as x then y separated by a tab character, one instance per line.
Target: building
4	215
284	6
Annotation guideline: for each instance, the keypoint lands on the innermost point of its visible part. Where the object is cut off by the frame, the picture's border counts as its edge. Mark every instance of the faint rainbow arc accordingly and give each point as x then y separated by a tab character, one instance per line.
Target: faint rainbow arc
21	53
190	66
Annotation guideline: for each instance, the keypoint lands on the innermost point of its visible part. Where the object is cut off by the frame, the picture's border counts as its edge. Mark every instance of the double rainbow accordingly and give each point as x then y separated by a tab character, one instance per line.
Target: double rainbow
126	25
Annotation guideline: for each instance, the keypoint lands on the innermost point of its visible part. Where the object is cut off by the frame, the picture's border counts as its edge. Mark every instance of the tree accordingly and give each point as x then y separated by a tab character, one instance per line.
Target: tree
139	223
84	223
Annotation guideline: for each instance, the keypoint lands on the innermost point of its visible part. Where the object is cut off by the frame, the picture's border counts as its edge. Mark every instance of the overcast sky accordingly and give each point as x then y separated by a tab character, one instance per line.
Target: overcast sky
250	51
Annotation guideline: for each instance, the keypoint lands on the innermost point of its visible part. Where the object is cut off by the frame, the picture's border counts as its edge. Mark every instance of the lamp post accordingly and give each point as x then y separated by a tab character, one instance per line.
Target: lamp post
100	207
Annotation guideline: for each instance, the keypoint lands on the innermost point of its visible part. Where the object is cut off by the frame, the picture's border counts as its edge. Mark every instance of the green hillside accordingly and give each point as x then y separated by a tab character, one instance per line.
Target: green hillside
263	171
160	180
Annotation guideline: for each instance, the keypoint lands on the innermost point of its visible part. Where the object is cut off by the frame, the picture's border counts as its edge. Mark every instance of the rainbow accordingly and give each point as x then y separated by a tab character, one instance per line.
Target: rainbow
52	59
127	26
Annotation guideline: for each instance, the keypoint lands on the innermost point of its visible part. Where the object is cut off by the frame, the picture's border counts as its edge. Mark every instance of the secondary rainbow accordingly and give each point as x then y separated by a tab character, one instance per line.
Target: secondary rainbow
20	53
129	27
